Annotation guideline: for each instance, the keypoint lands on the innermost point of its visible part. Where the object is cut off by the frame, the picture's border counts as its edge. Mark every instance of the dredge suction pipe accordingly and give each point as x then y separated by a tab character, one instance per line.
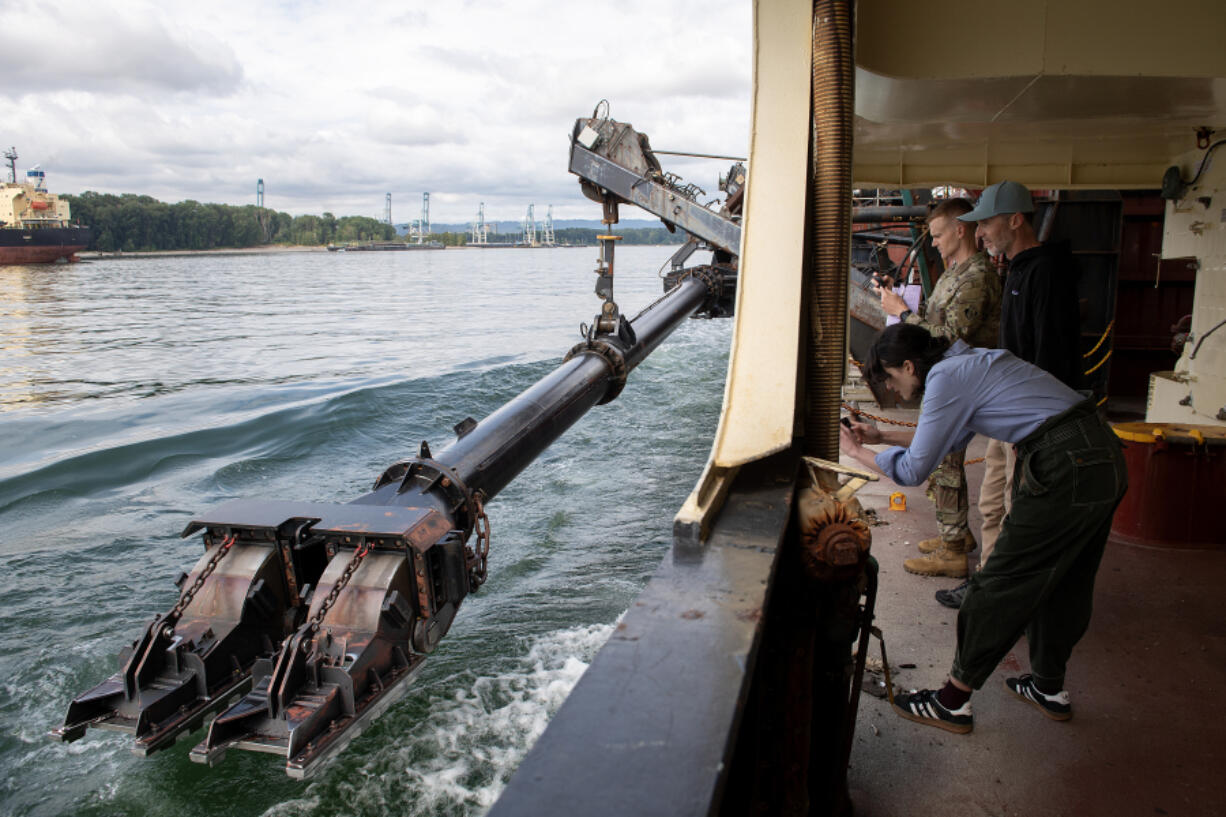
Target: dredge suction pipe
489	454
303	621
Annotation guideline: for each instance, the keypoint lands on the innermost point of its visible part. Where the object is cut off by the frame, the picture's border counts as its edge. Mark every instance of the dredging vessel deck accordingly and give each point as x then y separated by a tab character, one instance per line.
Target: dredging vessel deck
1143	740
726	687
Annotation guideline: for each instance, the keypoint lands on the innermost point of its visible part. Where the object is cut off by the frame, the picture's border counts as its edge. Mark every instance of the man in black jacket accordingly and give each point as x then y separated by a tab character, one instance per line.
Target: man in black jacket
1040	323
1040	320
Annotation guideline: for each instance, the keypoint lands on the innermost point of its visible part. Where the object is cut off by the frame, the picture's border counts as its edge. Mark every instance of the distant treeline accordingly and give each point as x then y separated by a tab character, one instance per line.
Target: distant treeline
132	223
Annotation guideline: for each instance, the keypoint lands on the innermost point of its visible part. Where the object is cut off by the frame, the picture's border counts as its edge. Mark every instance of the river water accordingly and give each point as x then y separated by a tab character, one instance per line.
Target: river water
136	393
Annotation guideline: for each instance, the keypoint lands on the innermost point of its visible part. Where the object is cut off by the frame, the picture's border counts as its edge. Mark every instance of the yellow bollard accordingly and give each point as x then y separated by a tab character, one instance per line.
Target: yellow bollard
898	501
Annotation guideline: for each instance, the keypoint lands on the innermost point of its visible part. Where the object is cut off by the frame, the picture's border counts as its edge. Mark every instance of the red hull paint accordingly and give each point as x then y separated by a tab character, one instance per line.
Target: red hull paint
17	256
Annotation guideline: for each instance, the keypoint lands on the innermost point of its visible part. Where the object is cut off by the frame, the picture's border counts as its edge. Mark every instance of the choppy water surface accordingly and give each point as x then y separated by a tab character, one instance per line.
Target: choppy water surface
137	393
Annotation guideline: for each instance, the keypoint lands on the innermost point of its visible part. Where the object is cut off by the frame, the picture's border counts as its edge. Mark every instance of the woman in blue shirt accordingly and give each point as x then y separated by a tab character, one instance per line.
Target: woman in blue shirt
1070	477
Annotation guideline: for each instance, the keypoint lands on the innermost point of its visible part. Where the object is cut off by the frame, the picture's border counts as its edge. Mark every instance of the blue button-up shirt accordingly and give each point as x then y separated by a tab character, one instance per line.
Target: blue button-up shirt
985	391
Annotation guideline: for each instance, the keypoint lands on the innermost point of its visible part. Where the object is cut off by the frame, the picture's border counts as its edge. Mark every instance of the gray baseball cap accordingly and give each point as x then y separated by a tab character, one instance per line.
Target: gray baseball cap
1002	197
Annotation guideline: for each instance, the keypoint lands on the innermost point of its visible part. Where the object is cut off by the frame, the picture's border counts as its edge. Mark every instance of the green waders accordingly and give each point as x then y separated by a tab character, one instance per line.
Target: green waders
1069	478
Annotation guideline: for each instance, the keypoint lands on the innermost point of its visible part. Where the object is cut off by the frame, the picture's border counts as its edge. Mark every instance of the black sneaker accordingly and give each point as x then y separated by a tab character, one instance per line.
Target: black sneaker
922	706
1055	706
953	598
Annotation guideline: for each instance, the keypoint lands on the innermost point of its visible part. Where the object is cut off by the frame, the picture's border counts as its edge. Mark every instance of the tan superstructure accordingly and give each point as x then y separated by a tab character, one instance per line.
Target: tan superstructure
27	206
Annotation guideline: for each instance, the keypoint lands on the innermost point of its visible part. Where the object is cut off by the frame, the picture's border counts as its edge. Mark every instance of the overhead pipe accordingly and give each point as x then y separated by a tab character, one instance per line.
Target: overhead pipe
887	213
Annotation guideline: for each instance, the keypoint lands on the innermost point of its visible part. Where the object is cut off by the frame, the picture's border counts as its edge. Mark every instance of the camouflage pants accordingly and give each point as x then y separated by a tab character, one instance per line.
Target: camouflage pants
947	490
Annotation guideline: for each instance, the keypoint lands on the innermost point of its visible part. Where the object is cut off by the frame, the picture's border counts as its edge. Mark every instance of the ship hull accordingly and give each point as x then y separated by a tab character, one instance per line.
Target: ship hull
43	245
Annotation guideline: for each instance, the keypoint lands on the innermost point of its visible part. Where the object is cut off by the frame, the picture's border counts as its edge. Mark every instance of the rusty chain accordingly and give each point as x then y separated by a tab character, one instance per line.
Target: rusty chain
186	598
358	556
858	413
481	548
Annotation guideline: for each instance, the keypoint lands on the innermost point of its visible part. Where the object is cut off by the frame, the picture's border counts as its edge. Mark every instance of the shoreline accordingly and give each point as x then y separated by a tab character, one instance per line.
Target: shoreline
96	255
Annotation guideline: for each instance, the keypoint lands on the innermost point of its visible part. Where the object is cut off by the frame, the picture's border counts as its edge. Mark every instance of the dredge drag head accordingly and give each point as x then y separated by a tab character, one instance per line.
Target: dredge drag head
233	608
316	614
385	599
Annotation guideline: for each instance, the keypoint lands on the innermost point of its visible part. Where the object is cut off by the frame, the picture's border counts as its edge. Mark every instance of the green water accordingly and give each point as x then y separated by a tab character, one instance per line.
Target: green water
137	393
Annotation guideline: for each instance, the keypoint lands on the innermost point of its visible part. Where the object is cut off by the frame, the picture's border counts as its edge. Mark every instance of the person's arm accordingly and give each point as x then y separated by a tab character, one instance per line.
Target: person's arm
947	407
891	302
866	434
941	298
851	446
965	313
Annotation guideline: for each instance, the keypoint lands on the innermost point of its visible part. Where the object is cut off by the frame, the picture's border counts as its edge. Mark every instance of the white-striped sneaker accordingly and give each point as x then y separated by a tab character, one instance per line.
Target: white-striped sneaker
1056	706
922	706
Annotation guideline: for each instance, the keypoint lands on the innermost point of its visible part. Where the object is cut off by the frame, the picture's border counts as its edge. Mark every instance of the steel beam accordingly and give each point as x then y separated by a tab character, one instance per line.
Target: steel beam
656	198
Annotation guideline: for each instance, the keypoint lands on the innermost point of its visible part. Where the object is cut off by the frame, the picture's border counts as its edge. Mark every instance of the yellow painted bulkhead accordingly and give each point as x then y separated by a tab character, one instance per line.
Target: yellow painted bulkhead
17	208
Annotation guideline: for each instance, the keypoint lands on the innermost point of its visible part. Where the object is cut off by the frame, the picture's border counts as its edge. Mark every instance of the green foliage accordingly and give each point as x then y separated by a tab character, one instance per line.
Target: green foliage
134	223
451	239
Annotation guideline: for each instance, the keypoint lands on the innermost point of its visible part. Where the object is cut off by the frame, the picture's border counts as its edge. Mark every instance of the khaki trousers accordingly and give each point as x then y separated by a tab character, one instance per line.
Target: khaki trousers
995	494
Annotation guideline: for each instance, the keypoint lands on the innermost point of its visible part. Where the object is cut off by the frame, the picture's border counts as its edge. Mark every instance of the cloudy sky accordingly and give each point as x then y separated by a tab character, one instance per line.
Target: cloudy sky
337	104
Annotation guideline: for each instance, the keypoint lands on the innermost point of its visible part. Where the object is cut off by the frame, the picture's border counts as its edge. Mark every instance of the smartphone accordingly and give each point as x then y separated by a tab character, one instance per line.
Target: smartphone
845	422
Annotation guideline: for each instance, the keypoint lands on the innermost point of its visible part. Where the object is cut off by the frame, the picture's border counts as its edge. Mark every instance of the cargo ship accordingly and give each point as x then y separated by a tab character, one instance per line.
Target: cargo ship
35	225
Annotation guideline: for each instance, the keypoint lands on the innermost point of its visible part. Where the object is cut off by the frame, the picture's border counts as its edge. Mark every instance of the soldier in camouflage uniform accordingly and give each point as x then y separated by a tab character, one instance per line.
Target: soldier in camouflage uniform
964	304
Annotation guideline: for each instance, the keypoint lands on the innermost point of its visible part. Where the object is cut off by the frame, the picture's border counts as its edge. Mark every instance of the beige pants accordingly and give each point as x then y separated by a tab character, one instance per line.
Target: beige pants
995	494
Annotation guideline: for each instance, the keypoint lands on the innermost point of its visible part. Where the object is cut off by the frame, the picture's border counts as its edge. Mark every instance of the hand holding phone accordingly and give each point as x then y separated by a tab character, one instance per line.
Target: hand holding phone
883	281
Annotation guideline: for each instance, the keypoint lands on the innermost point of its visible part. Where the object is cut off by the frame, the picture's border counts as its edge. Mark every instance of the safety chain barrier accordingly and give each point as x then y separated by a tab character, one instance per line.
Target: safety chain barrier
177	611
859	413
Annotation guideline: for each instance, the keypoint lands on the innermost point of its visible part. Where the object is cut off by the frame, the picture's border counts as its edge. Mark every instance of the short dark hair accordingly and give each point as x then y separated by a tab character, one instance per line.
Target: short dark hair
902	342
950	208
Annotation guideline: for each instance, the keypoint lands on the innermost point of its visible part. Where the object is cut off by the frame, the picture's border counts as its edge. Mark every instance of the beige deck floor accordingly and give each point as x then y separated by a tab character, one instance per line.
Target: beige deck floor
1148	736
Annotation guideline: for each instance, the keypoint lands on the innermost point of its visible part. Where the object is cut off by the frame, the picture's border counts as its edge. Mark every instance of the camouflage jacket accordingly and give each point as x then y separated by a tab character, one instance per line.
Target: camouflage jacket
965	303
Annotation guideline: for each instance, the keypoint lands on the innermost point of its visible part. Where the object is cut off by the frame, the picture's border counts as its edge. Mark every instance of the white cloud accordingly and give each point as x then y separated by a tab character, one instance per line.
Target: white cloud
334	105
88	47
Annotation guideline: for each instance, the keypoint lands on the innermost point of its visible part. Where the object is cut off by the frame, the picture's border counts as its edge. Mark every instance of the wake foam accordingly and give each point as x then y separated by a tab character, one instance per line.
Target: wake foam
458	757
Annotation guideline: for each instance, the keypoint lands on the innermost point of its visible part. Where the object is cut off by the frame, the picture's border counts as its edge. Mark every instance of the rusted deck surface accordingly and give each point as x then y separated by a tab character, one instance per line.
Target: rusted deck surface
1147	738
